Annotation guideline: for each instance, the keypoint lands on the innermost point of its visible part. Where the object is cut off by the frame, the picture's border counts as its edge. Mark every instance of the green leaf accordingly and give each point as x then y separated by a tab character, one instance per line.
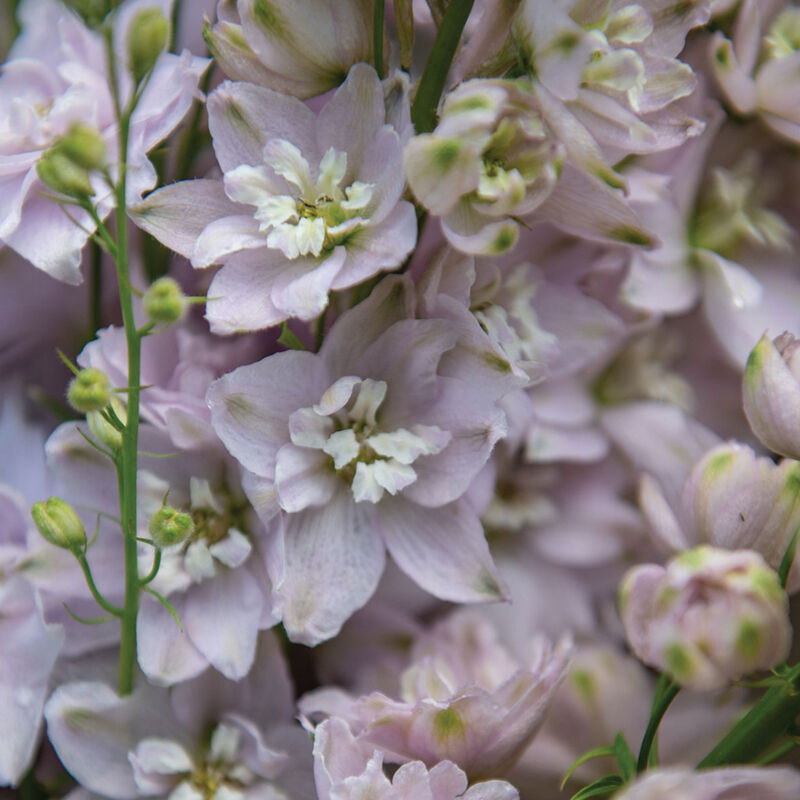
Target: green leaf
289	338
598	752
625	759
788	559
602	786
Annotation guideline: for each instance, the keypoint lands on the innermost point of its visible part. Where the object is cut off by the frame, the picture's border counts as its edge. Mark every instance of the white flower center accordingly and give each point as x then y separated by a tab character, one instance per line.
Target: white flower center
317	215
345	426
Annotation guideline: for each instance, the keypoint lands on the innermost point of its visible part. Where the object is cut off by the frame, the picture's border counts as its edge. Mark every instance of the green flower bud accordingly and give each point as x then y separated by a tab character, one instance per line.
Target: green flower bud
92	12
59	524
84	146
169	526
147	38
164	301
89	390
103	431
60	172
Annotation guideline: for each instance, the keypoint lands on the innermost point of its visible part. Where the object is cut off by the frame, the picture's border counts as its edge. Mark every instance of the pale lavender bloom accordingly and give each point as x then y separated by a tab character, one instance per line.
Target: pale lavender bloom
727	783
58	75
731	499
307	205
757	68
721	245
464	698
177	367
301	50
708	618
367	445
155	743
505	149
614	67
348	769
771	390
30	644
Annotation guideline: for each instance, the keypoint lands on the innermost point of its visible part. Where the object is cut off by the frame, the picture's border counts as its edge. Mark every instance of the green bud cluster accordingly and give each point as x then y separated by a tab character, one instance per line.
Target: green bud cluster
89	391
164	301
65	167
168	526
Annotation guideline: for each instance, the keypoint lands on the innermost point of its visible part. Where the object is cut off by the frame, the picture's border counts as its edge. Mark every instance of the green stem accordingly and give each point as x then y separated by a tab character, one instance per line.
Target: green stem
431	84
377	37
767	721
153	570
665	694
101	601
127	461
95	289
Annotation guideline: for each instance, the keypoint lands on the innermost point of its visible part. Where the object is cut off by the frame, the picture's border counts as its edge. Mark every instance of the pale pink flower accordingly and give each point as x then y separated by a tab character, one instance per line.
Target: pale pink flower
308	203
708	618
367	445
58	75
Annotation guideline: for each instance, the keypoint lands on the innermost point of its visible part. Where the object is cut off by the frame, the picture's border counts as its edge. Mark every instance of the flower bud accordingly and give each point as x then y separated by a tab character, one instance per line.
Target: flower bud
84	146
775	783
89	390
59	524
164	301
103	431
708	618
147	38
59	172
169	526
771	390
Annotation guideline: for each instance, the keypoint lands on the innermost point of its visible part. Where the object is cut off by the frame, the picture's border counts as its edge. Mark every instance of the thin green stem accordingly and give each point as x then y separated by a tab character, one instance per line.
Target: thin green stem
127	460
434	76
101	601
153	570
666	692
95	289
377	37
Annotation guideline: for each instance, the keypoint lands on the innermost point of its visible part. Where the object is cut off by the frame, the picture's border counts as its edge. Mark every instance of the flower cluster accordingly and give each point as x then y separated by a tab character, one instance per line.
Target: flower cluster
407	402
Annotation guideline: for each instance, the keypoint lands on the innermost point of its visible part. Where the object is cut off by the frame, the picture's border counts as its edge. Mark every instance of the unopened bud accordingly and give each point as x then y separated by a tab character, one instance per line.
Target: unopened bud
147	38
169	526
103	431
59	172
708	618
164	301
89	390
59	524
771	390
84	145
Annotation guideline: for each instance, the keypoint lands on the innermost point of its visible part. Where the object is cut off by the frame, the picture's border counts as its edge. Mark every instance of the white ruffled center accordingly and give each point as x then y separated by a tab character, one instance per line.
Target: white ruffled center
345	426
317	216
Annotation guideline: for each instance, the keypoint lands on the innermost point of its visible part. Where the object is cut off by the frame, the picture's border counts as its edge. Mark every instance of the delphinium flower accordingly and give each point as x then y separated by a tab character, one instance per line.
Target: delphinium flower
308	203
756	67
464	698
707	618
56	77
208	738
300	50
504	149
730	783
368	444
732	499
771	393
346	768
